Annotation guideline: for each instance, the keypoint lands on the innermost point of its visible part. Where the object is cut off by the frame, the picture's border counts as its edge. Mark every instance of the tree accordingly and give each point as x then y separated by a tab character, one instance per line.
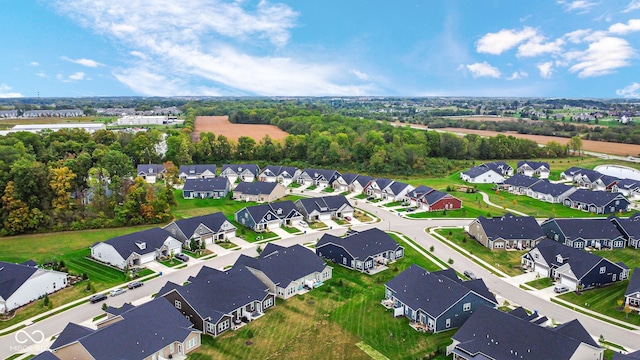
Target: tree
627	310
16	215
575	144
61	182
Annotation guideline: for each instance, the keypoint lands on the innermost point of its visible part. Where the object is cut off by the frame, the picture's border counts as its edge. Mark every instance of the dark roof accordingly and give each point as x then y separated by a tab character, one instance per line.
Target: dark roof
126	244
349	177
575	330
188	226
12	276
335	201
119	311
420	191
630	225
580	261
256	188
521	180
534	164
546	187
490	333
574	170
150	168
282	265
278	170
323	204
258	212
363	179
601	228
197	169
591	175
634	282
233	288
72	332
627	184
238	168
630	356
510	226
396	187
283	208
31	263
47	355
519	312
362	244
500	167
210	184
317	173
383	182
609	180
597	198
434	196
476	171
432	292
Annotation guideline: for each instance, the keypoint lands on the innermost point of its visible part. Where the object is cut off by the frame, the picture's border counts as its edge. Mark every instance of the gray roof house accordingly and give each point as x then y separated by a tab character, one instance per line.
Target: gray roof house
629	228
259	191
545	190
397	191
627	187
572	172
151	329
344	181
598	233
214	188
533	168
491	334
318	177
198	171
518	184
376	187
506	232
597	202
284	175
204	229
632	294
242	172
436	301
21	284
268	216
287	271
630	356
151	172
324	208
493	172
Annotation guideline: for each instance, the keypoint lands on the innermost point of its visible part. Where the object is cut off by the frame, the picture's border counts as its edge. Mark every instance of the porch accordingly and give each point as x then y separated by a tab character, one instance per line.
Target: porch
419	327
240	322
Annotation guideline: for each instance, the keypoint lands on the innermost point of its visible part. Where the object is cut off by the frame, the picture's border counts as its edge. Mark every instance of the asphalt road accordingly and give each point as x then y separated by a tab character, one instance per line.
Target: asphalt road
414	229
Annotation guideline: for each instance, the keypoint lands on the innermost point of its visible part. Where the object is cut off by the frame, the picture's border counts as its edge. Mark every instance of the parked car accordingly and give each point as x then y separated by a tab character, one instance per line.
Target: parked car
182	257
370	198
135	284
560	288
411	209
470	275
116	292
97	298
348	218
303	224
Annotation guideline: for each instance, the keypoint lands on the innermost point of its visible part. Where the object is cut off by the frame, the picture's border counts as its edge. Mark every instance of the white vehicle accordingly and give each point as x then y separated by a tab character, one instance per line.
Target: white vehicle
303	224
116	292
560	288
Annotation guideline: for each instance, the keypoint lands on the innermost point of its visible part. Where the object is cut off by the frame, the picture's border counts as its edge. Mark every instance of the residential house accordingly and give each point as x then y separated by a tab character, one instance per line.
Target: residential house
629	228
151	172
201	171
284	175
587	178
493	334
629	188
494	172
324	208
429	199
215	301
23	283
366	251
630	356
204	229
376	187
604	183
153	330
344	181
572	267
597	202
318	177
213	188
518	184
359	183
572	172
397	191
258	218
436	301
240	172
136	249
287	212
534	168
259	191
287	271
632	295
599	233
506	232
544	190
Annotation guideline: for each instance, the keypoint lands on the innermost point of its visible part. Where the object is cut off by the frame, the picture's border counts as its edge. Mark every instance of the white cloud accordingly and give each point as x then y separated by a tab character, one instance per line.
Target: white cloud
503	40
193	42
632	25
483	69
34	63
546	69
577	36
5	92
630	91
602	57
518	75
77	76
582	6
41	74
633	5
535	47
359	74
84	62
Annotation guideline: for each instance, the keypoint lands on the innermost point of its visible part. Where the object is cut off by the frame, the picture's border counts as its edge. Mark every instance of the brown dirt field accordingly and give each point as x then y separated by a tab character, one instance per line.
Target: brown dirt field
587	145
220	125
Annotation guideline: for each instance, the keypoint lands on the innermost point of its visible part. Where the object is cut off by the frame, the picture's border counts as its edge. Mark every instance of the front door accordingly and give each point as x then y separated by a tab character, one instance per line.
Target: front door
180	349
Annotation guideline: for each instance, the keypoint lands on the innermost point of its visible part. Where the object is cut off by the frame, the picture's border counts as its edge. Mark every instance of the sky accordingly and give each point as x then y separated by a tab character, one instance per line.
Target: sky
494	48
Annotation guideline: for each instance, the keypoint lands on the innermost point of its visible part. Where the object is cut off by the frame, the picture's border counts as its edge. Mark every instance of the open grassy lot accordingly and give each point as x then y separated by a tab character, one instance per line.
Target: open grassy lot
329	321
194	207
507	261
465	212
627	255
605	301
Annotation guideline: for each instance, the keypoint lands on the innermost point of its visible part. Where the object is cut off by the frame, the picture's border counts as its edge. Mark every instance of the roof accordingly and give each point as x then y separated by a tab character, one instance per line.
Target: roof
125	245
188	226
349	177
238	168
363	179
47	355
233	288
282	265
383	182
362	244
397	187
12	276
276	170
597	198
144	330
591	175
434	292
500	167
197	169
630	225
608	180
336	201
434	196
119	311
420	191
323	204
634	282
322	173
575	330
256	188
580	261
483	335
601	228
574	170
511	227
150	168
520	180
534	164
31	263
618	356
477	171
546	187
210	184
258	212
283	208
72	332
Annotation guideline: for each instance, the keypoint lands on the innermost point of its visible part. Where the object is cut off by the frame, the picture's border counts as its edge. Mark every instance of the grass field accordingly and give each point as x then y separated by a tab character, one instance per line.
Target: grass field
541	283
329	322
194	207
627	255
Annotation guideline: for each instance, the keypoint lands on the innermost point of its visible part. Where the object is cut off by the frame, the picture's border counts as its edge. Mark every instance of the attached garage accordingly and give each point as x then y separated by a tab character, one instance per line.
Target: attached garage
542	270
323	217
570	282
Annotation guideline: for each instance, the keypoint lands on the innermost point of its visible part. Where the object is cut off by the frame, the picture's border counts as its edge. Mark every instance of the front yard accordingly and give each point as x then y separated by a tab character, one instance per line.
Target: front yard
541	283
605	301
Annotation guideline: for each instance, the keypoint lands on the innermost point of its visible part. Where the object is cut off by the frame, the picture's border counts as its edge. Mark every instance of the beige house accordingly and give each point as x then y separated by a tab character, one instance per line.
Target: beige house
259	191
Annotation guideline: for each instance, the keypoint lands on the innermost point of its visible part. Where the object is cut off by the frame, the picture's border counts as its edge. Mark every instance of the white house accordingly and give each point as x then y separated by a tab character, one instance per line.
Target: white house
21	284
137	248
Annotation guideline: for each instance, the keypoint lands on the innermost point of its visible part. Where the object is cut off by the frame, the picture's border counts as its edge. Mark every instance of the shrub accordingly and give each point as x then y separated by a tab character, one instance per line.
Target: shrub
450	261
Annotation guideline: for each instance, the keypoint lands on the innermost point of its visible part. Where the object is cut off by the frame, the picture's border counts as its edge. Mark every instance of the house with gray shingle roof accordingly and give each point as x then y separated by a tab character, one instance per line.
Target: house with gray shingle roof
204	229
284	175
21	284
151	172
318	177
632	295
597	202
210	188
629	228
544	190
518	184
533	168
506	232
599	233
198	171
241	172
493	172
259	191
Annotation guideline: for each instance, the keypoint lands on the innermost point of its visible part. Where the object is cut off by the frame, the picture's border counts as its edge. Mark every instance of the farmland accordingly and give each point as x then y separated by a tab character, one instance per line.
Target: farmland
220	125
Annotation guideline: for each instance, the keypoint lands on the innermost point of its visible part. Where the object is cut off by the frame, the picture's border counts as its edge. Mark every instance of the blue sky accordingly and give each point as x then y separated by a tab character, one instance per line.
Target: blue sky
545	48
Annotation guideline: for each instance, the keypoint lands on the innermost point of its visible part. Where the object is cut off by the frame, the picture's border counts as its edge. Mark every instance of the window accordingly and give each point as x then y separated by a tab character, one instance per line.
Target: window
344	261
178	304
223	326
613	278
466	307
268	303
603	269
211	328
447	323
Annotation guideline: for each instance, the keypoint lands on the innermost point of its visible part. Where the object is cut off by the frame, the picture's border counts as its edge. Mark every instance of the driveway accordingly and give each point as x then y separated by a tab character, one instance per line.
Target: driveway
281	232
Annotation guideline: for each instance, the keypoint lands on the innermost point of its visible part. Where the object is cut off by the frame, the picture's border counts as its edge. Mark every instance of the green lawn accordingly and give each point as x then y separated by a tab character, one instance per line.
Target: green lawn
312	187
392	204
328	189
198	253
193	207
465	212
330	321
361	196
627	255
227	245
506	261
541	283
605	301
291	230
101	276
294	185
316	225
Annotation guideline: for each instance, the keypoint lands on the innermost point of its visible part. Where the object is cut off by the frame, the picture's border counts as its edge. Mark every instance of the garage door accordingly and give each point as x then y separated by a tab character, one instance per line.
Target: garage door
146	258
542	270
208	239
324	217
273	224
571	283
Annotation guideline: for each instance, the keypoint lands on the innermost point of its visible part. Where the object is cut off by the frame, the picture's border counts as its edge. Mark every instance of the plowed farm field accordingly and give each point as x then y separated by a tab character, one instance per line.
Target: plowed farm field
220	125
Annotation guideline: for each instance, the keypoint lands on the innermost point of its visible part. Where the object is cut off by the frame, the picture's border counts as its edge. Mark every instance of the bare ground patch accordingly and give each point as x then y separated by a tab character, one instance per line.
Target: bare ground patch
220	125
